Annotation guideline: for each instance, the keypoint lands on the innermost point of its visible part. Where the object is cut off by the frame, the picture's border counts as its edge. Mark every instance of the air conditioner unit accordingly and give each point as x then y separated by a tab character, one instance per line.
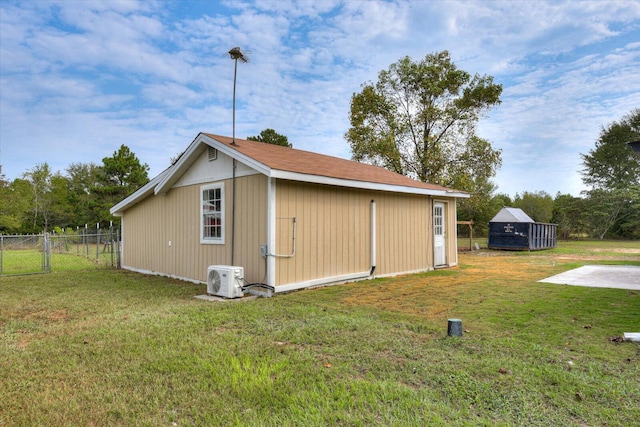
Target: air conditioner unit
225	281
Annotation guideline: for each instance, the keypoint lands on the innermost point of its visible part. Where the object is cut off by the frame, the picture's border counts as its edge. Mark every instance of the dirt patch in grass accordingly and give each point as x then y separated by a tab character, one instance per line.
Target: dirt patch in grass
618	250
46	315
435	294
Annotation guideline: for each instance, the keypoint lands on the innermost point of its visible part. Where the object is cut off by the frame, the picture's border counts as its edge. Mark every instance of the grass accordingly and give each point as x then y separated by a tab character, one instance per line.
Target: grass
30	261
117	348
25	261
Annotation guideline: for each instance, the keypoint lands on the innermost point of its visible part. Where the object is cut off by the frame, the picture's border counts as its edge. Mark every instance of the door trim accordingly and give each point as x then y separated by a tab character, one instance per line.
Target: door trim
439	240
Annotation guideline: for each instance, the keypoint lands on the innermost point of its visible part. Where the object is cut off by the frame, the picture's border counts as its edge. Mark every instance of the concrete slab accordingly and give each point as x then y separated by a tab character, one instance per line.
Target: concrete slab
220	299
600	276
631	336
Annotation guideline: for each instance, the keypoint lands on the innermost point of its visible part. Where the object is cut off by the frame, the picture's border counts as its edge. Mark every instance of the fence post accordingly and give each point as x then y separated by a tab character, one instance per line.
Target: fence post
111	242
118	248
97	241
1	251
46	253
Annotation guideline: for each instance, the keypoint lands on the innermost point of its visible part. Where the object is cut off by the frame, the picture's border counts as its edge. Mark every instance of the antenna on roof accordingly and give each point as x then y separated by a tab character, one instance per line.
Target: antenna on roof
236	54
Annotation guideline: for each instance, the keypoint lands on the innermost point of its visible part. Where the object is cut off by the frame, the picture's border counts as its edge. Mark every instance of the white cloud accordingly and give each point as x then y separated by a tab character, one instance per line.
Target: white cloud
80	78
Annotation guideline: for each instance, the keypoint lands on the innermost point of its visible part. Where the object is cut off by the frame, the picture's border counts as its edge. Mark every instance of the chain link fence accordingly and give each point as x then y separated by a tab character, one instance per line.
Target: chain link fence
47	252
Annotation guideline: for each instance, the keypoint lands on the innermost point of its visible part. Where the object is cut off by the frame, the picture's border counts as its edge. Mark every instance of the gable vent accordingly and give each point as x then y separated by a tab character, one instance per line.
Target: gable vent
213	154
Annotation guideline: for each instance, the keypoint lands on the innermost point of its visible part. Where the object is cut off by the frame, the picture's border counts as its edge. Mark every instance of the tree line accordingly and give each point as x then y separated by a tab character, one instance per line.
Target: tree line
44	200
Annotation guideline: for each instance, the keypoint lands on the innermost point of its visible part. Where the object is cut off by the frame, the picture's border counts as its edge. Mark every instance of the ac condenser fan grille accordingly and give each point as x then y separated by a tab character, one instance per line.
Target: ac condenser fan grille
215	280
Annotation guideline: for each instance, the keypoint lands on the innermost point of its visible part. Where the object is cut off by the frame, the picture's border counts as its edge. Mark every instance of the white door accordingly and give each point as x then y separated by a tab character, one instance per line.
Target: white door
439	235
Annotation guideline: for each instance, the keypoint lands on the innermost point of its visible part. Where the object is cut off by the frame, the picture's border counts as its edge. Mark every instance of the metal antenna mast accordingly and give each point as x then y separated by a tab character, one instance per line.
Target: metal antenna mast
236	54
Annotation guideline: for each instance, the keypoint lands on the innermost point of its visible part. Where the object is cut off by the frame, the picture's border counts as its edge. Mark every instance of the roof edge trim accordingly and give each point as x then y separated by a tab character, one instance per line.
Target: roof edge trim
364	185
140	193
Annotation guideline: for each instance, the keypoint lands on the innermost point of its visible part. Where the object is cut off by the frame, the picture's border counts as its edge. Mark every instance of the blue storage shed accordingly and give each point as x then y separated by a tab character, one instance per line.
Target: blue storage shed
512	229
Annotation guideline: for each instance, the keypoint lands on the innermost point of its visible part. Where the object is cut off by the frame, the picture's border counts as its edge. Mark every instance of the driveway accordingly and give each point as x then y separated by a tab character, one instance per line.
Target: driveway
600	276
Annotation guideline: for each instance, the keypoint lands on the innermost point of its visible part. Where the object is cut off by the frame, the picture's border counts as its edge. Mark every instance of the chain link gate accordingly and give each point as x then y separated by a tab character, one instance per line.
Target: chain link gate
43	253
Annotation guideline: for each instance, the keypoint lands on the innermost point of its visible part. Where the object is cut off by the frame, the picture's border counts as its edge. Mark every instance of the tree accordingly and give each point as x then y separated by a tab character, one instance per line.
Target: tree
9	214
270	136
40	178
478	207
612	171
19	207
419	120
608	210
500	201
612	164
82	199
568	213
124	171
120	175
538	205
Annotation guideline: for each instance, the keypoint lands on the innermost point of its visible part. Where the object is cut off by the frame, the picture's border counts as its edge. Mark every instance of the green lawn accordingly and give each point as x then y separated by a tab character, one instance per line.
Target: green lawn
29	261
109	347
25	261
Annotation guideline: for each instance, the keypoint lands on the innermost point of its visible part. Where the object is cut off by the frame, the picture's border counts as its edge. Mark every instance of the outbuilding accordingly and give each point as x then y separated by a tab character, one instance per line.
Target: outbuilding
290	218
513	229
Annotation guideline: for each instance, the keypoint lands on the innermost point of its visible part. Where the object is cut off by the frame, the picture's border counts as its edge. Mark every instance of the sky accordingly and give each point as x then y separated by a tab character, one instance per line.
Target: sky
78	79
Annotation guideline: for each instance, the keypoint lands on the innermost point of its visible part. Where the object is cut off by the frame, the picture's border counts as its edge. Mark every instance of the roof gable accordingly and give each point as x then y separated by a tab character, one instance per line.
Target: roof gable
511	215
276	161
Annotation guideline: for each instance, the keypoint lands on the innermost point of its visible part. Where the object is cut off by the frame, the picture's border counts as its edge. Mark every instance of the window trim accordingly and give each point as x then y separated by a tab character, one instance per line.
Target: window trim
212	240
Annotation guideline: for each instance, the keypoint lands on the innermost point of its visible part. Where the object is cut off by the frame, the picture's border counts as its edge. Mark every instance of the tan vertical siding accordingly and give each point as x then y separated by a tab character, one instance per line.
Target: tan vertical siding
334	231
251	225
404	234
150	226
331	239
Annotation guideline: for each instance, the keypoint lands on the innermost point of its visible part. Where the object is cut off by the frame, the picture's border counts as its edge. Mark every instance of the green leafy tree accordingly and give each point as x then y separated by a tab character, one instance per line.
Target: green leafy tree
629	225
120	175
270	136
479	207
40	178
499	201
21	206
83	200
61	210
612	164
9	207
608	210
419	119
568	213
612	171
538	205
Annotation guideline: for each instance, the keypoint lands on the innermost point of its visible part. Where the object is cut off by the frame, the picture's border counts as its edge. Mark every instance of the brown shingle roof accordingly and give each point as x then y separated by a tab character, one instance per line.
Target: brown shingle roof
305	162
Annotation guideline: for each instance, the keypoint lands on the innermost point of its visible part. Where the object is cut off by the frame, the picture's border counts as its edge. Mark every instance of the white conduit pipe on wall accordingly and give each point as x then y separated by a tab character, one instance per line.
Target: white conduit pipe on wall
333	279
373	237
293	252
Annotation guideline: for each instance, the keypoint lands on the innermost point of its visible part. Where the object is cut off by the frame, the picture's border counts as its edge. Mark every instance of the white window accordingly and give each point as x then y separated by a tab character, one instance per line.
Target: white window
438	223
212	214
